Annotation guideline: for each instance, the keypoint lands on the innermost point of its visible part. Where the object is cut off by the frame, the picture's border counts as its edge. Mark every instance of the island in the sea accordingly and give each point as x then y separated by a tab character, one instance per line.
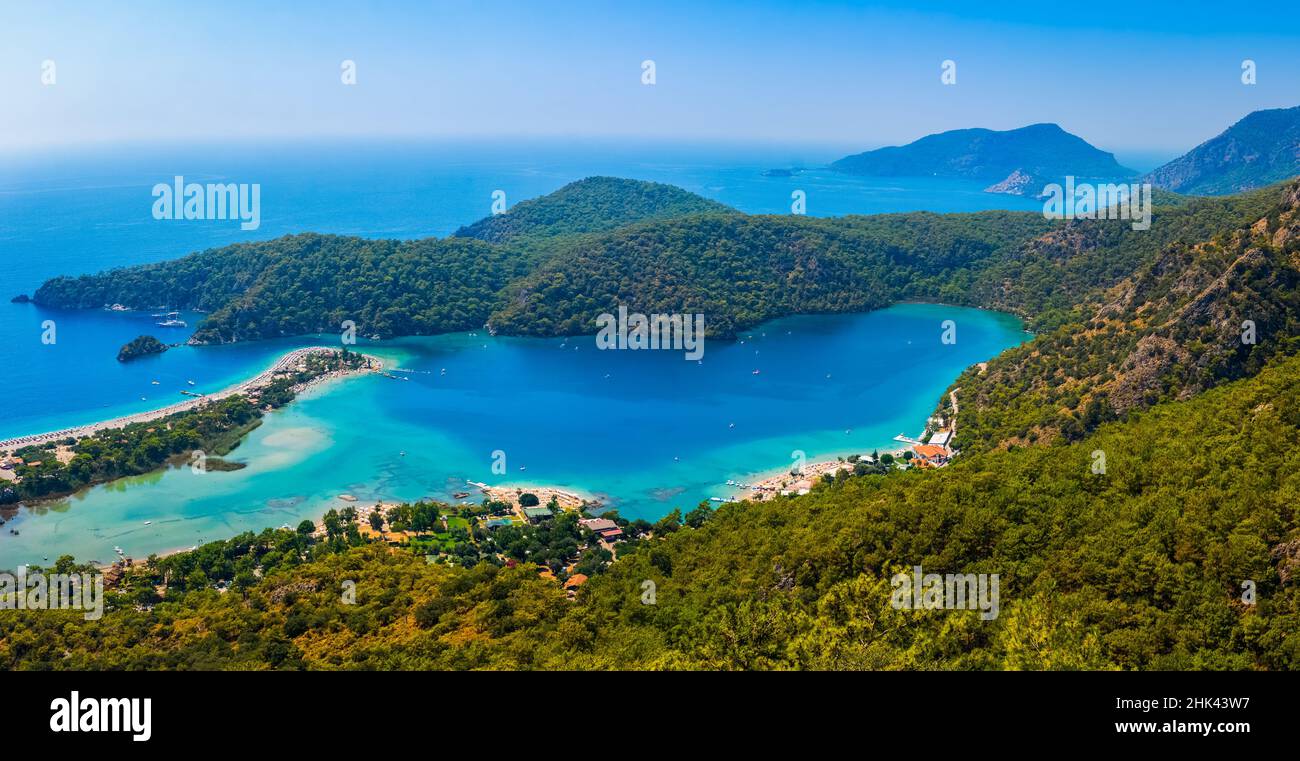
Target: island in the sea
141	346
1018	161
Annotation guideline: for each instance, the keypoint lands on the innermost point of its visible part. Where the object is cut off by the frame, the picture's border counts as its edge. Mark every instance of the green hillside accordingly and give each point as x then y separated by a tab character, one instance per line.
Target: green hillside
1262	148
1138	568
595	204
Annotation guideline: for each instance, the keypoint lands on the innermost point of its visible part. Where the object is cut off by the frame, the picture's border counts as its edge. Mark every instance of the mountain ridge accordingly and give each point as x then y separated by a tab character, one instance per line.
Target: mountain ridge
1017	161
1261	148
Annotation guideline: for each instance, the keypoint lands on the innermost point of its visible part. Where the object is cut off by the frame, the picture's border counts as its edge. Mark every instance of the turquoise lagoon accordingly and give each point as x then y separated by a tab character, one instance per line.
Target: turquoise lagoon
646	431
652	436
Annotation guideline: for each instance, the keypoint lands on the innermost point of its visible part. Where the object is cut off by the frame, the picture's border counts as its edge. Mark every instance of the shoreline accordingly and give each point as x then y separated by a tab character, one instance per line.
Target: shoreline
283	364
568	499
770	482
760	486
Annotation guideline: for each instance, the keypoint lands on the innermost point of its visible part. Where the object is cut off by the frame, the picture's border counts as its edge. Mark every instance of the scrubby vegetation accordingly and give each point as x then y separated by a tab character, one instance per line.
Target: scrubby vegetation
142	346
1141	566
1131	475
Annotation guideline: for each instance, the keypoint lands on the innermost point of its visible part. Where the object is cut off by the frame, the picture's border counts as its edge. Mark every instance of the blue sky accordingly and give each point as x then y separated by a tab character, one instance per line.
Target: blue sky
1148	76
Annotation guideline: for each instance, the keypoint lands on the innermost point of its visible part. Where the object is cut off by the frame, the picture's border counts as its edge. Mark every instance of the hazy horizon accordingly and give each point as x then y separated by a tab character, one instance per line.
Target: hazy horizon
839	75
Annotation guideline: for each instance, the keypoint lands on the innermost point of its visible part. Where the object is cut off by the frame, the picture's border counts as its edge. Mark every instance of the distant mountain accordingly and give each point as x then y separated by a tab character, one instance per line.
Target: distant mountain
1262	148
595	204
1018	161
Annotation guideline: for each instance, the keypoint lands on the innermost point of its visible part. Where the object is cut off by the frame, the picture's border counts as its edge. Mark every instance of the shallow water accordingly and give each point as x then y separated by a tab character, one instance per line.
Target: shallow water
647	431
552	410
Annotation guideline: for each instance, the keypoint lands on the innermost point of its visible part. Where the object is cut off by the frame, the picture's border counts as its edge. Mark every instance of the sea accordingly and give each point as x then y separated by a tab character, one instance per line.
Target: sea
644	431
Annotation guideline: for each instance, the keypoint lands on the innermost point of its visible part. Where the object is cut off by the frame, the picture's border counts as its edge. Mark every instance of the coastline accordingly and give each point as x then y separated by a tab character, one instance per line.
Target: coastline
768	484
723	469
568	499
283	364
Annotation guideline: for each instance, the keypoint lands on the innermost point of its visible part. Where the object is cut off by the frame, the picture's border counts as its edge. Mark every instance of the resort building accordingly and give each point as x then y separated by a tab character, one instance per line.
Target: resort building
934	454
941	438
603	527
535	514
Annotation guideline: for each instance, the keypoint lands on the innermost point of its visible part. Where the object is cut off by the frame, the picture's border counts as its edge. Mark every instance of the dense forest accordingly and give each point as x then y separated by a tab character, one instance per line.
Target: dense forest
552	270
596	204
1130	474
1211	296
1142	566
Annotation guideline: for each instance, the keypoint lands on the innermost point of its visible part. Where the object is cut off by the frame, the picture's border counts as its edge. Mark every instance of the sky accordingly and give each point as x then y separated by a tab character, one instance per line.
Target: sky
1151	76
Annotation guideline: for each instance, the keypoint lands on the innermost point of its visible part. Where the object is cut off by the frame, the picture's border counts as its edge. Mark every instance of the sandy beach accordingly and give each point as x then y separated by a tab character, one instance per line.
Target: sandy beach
284	364
510	493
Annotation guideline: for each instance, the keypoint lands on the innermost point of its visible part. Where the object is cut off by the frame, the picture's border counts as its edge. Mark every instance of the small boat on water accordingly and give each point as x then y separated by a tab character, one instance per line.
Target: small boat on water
148	523
190	382
460	495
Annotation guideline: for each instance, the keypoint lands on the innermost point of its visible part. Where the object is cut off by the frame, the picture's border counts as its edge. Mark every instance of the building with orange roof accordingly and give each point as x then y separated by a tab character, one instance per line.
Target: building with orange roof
932	453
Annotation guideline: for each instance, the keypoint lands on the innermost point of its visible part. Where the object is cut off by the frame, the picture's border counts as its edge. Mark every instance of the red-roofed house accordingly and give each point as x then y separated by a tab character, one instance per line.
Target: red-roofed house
932	453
